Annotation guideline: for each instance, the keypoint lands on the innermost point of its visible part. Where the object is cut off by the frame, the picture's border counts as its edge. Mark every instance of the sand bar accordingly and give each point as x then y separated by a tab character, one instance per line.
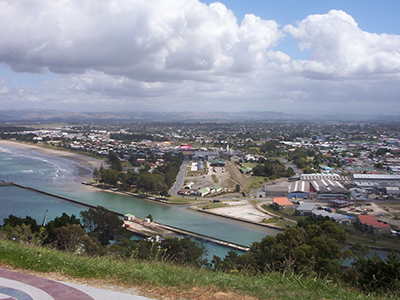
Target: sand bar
84	160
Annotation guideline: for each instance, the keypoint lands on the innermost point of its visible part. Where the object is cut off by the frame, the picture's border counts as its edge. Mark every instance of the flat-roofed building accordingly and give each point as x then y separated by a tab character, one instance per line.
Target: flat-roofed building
334	217
305	209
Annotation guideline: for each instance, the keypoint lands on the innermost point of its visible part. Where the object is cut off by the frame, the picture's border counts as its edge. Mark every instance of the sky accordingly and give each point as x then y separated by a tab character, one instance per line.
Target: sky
324	57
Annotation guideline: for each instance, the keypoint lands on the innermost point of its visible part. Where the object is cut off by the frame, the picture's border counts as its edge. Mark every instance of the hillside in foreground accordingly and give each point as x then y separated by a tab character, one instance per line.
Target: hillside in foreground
162	280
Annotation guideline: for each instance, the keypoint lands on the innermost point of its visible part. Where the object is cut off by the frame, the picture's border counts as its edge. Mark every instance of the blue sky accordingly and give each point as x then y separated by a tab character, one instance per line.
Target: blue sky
371	15
187	55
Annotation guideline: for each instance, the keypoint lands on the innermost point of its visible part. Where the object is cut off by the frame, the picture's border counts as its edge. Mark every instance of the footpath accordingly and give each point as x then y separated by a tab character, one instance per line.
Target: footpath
20	286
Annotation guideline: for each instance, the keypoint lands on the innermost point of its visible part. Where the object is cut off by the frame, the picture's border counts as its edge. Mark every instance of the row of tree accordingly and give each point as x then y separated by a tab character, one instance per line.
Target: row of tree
157	182
317	247
272	168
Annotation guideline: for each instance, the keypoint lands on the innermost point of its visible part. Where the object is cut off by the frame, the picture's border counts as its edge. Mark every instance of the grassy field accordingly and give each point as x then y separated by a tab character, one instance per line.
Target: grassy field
185	282
181	200
212	205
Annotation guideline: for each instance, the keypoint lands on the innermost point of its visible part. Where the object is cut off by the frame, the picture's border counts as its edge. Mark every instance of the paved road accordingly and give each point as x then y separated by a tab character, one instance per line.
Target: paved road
20	286
180	179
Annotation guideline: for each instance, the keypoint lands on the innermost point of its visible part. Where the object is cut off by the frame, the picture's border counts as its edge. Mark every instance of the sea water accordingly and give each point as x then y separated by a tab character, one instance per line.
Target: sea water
60	176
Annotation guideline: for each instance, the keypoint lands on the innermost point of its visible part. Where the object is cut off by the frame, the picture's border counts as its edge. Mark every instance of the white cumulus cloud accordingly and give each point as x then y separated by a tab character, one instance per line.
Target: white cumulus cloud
339	47
186	55
146	39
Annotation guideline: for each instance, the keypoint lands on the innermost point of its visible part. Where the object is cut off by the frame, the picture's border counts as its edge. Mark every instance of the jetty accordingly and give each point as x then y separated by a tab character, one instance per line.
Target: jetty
203	237
145	230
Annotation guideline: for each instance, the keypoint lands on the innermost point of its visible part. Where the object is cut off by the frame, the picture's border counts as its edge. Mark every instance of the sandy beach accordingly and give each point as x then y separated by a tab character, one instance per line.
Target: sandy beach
81	159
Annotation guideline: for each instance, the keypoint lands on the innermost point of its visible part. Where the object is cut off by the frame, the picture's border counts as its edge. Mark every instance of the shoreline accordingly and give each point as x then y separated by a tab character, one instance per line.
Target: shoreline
83	160
92	163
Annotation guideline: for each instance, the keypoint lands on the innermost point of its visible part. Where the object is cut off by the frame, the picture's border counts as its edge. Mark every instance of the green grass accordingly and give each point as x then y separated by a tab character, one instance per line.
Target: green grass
278	222
249	165
258	182
212	205
180	200
164	275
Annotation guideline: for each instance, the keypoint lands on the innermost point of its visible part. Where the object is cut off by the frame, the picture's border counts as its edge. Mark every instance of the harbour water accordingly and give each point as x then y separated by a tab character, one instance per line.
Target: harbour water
60	176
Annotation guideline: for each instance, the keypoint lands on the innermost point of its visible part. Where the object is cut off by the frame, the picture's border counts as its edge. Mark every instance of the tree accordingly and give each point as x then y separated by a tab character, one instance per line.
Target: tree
58	222
14	221
375	274
237	188
115	161
150	217
103	224
310	247
22	234
70	237
96	174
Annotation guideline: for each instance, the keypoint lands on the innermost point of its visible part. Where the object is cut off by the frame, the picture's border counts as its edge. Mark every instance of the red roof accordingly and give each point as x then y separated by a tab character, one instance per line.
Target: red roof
370	220
282	201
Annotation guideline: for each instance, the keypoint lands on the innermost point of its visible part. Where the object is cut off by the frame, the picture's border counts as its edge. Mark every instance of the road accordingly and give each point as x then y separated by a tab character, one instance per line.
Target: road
180	179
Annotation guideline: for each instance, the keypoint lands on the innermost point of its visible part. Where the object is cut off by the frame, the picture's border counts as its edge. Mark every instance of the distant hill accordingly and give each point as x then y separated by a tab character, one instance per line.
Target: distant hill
53	116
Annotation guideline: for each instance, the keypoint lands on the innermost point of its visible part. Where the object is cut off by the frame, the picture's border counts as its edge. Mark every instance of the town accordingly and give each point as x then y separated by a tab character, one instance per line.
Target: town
267	173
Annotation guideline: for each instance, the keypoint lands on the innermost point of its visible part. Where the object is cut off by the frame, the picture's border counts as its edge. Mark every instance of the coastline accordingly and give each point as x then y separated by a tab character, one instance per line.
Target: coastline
84	160
92	163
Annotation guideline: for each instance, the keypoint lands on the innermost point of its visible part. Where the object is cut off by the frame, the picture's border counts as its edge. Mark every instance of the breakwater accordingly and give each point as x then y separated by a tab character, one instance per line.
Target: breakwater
160	226
203	237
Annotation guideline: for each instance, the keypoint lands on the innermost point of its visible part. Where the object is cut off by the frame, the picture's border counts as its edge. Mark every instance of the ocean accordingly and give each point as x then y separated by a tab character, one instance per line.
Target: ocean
61	176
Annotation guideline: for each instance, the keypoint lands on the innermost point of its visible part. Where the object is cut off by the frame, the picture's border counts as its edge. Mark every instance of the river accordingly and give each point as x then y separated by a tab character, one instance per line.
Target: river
62	177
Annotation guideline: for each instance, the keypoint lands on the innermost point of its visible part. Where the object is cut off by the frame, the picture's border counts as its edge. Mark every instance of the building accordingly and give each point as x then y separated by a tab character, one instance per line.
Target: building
334	217
327	189
261	193
282	204
375	182
305	209
392	190
202	192
216	189
217	163
129	217
299	190
359	195
369	224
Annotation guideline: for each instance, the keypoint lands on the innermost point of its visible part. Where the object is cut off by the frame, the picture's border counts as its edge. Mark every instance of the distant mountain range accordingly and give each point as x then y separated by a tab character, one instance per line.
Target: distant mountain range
52	116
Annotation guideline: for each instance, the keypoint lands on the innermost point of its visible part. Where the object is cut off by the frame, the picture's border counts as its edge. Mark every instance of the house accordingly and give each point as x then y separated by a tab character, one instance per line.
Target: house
369	224
282	204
